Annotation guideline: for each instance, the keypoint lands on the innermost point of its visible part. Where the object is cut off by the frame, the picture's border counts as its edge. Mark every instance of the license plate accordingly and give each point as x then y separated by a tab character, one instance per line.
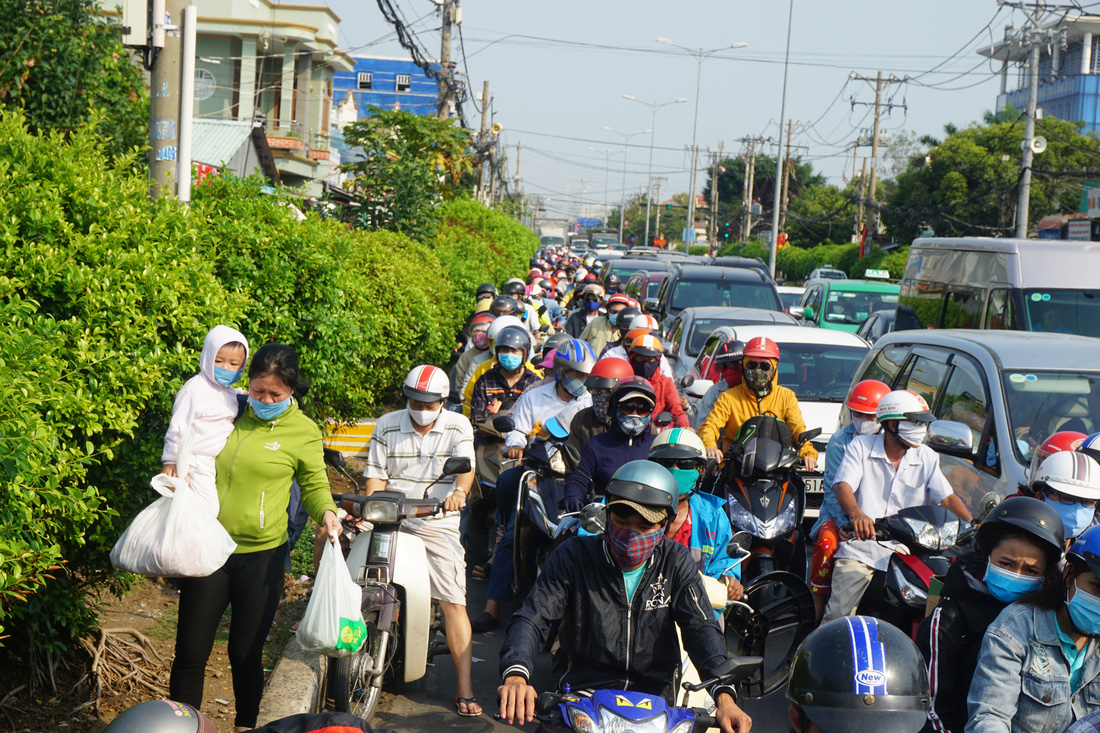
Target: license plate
813	484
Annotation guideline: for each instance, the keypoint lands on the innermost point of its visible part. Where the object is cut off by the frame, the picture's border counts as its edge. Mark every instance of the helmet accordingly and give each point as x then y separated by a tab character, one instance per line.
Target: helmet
482	321
762	347
501	323
1071	473
626	315
574	354
427	383
903	404
620	299
1090	446
1086	550
607	372
629	387
534	272
580	273
630	336
486	289
1024	514
514	286
865	396
161	716
646	487
1060	441
504	306
646	321
730	352
647	345
679	444
612	280
860	675
554	340
593	289
516	337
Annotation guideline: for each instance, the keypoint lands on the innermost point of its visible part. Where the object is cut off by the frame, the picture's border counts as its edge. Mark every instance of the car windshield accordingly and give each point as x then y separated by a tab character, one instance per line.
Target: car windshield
1040	403
703	327
852	306
602	241
819	372
1063	311
789	300
700	293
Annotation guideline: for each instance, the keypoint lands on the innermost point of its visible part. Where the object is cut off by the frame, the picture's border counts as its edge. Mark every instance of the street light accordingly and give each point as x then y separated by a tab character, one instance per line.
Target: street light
654	106
772	245
701	55
626	149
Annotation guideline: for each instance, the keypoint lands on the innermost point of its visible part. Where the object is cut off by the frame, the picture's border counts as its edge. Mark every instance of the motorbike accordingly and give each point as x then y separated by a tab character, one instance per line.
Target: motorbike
392	569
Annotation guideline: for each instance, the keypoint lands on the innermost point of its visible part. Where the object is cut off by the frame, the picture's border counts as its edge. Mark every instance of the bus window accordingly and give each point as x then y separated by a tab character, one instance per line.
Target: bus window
920	305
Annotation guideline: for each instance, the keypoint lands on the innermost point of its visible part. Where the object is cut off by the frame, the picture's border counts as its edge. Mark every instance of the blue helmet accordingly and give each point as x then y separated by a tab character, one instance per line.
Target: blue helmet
1086	550
647	487
574	354
1090	446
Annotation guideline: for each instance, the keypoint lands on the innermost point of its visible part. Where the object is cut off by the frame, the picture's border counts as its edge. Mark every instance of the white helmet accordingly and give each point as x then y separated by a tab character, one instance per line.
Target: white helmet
427	383
903	404
1071	473
502	322
643	321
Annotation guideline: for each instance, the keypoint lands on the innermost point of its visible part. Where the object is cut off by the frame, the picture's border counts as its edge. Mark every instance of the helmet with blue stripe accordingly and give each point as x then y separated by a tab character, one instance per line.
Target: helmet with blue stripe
576	355
858	674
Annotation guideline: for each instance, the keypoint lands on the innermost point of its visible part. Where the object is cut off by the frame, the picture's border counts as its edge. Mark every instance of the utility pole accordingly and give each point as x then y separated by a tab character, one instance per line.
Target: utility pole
748	183
879	81
481	139
862	194
164	101
786	196
689	223
712	231
657	226
446	74
187	103
519	149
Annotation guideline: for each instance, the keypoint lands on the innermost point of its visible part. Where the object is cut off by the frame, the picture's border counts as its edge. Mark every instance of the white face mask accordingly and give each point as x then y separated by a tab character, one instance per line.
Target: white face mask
425	417
864	426
911	432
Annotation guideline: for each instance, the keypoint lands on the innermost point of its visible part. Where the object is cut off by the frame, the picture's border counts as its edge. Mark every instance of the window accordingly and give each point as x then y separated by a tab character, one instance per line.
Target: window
365	80
920	306
674	335
964	309
887	364
964	401
925	378
698	293
404	82
1001	313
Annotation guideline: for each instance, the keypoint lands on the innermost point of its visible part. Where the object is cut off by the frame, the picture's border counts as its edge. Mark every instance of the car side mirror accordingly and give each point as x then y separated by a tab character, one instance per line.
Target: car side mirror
666	347
797	312
698	388
951	438
504	423
649	305
808	313
456	465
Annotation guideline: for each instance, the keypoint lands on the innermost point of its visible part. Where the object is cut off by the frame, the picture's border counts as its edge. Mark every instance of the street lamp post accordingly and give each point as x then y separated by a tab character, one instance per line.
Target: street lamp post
626	150
773	245
653	106
701	55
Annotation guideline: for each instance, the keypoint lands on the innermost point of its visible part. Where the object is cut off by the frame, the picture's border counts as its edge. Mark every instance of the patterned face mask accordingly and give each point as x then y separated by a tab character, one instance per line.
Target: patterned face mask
600	403
629	546
760	380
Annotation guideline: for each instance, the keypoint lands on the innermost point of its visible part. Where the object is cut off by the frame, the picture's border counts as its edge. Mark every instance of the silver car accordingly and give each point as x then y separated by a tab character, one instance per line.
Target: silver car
689	331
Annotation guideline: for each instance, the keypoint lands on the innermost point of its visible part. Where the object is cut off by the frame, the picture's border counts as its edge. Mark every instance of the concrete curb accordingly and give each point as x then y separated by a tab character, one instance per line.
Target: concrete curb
295	685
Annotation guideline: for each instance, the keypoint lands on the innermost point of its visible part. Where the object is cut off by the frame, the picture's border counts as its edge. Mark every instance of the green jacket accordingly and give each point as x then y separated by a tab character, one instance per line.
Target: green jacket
255	470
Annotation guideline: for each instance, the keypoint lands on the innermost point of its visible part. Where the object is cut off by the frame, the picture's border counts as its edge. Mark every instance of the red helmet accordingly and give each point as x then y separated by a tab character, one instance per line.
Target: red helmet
607	373
620	299
762	347
864	396
1061	441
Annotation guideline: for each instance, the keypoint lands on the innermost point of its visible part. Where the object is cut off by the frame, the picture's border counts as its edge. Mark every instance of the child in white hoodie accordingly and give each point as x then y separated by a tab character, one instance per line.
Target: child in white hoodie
207	404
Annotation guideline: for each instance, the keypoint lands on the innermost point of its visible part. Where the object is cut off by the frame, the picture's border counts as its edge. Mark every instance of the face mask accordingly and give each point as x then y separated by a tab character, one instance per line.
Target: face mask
425	417
759	380
732	376
629	546
265	411
511	362
591	305
226	377
912	433
612	318
1076	517
600	403
1084	610
645	369
864	427
686	478
1007	586
575	387
481	340
632	425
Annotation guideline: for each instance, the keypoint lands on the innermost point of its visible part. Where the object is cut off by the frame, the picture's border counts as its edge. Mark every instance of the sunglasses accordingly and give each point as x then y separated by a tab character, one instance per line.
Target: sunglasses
759	365
636	408
684	464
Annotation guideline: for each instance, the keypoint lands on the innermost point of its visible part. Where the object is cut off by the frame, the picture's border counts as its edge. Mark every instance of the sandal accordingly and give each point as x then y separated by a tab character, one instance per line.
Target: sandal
468	702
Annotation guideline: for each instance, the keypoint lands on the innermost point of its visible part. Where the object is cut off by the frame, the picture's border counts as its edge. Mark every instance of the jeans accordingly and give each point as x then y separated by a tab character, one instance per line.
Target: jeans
296	522
500	578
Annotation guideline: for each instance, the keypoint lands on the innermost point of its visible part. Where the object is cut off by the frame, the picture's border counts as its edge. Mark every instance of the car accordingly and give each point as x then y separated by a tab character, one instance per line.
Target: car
827	273
644	284
845	304
790	295
998	394
816	364
754	263
624	267
655	253
877	325
693	286
690	330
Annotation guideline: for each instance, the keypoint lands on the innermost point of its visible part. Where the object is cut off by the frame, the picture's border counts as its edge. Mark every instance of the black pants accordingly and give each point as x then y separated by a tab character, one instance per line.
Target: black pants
252	583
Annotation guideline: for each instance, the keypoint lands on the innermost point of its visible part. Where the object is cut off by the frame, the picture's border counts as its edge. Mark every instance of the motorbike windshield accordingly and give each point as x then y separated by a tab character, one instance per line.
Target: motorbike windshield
1040	403
762	455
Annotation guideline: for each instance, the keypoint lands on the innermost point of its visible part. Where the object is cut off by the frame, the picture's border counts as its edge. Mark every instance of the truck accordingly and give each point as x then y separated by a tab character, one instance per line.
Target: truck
556	228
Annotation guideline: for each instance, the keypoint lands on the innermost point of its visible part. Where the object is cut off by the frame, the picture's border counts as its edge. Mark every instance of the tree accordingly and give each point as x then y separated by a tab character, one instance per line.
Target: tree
63	64
731	181
969	185
823	214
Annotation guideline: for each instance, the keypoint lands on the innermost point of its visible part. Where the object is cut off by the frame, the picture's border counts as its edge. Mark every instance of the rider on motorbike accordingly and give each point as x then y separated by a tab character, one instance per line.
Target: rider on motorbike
618	596
591	300
880	475
485	361
1069	481
645	356
603	329
502	385
590	421
727	362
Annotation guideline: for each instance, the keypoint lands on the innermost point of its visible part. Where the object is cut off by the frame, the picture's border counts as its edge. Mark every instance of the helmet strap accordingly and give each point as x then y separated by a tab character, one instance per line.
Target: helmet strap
893	433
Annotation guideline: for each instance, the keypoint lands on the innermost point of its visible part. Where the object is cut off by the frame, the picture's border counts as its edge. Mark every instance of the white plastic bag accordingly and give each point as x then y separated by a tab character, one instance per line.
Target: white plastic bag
175	536
333	621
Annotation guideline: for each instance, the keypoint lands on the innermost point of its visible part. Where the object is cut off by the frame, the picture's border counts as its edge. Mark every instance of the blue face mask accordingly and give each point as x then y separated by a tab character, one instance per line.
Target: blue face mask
1007	586
1076	517
612	317
591	305
575	387
511	362
226	377
686	479
265	411
1084	611
632	425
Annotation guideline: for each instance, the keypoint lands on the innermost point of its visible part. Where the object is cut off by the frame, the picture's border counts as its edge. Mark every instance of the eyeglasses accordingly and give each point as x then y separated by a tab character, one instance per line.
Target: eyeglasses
636	408
759	365
684	464
1061	498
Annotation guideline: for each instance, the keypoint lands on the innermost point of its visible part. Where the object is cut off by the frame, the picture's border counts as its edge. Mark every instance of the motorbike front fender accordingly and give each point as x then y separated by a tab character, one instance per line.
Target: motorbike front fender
410	572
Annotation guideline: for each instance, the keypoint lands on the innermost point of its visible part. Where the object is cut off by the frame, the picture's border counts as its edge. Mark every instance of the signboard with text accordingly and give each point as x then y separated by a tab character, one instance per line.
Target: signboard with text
1080	230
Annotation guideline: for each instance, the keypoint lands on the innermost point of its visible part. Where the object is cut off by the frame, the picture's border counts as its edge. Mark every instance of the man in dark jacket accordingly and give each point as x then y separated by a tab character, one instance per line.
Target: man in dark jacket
590	302
618	596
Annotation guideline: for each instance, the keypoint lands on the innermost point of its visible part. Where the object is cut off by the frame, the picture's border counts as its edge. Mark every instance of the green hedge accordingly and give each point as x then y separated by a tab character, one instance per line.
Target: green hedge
106	300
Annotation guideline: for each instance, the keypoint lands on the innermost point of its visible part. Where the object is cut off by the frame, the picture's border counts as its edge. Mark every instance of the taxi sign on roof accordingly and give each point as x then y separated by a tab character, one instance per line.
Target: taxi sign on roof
877	274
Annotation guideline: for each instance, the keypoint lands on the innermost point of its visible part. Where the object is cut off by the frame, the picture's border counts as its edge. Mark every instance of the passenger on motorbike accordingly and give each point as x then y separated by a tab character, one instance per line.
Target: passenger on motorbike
485	361
595	419
641	325
604	329
478	345
618	596
862	402
533	312
857	675
727	362
1039	665
701	523
645	356
1018	549
759	393
1069	482
502	385
628	439
880	475
591	301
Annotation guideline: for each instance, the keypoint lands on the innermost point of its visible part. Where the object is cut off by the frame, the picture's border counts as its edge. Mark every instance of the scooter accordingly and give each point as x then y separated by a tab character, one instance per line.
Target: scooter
392	569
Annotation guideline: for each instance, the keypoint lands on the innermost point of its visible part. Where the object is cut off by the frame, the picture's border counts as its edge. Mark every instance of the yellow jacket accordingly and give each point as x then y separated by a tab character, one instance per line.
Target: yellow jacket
738	404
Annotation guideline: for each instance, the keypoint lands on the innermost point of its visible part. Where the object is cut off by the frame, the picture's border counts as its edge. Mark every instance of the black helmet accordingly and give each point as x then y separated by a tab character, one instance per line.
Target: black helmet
554	341
625	316
730	352
503	306
646	487
612	280
860	675
516	337
1028	515
486	289
161	716
515	286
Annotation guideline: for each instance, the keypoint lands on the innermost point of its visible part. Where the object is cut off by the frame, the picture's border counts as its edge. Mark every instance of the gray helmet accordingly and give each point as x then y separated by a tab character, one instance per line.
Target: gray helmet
486	289
645	486
554	341
161	716
860	675
516	337
503	306
514	286
1023	514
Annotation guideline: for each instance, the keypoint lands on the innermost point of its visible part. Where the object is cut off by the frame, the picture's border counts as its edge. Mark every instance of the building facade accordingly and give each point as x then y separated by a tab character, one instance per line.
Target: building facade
390	83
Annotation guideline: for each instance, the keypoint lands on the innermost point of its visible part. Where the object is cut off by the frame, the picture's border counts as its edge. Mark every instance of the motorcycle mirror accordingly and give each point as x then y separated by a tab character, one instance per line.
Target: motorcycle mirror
808	435
456	465
988	503
730	672
593	518
504	423
687	381
335	458
665	418
740	543
572	456
454	398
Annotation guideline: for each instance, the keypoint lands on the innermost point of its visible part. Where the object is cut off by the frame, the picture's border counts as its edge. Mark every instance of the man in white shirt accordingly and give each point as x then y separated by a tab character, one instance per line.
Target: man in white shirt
407	451
880	475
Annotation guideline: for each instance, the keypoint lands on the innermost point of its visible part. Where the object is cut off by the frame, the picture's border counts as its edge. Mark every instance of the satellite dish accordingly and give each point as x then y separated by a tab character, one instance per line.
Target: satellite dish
1038	144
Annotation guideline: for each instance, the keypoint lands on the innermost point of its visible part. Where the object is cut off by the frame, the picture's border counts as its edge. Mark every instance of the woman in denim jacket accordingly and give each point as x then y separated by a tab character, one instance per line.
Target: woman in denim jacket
1039	668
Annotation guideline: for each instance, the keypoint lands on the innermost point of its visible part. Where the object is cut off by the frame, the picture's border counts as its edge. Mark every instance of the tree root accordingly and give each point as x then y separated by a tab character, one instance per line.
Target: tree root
123	660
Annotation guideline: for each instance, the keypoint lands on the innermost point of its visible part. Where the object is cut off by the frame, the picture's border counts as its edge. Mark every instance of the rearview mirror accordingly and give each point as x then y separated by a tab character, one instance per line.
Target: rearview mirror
952	438
797	312
739	544
454	398
335	458
988	503
808	435
572	456
649	305
687	381
808	313
456	465
665	418
698	388
504	423
594	518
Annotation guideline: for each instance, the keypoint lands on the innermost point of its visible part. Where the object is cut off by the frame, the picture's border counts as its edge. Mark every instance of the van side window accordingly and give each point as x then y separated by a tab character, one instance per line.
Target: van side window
964	401
925	378
887	364
963	309
1000	314
920	305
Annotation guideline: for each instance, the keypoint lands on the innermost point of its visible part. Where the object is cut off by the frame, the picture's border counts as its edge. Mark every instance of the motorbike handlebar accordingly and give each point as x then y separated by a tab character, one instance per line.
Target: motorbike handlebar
880	531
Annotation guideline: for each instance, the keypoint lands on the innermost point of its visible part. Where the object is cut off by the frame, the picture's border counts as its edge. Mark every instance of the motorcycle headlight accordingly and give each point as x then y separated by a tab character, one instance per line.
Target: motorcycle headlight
380	511
912	594
740	517
612	723
580	721
557	462
684	727
949	534
782	524
926	534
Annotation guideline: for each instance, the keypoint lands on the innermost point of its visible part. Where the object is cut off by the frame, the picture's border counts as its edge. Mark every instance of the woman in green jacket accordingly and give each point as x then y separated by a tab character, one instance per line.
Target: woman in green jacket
272	444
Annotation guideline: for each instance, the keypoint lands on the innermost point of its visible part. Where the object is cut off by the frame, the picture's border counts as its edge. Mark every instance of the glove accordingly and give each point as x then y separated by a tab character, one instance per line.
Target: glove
573	504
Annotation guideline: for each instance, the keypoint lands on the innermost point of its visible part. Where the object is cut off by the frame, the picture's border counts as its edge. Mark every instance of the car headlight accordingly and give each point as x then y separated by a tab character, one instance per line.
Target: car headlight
581	721
926	534
380	511
740	517
612	723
